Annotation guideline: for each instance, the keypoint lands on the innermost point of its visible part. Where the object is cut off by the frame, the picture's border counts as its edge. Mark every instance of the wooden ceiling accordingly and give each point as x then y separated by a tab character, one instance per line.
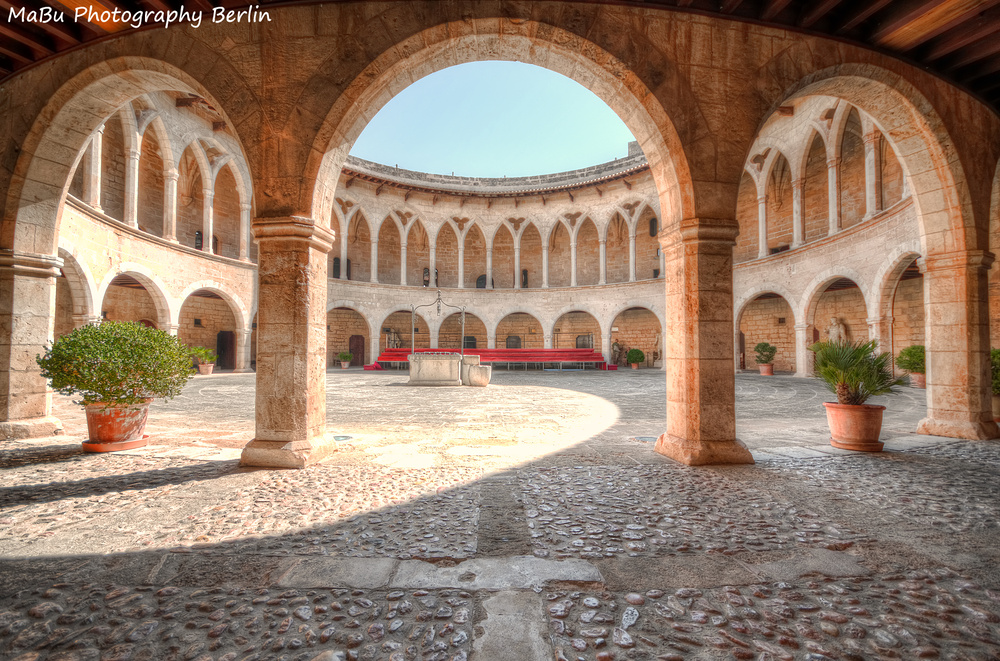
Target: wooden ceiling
956	39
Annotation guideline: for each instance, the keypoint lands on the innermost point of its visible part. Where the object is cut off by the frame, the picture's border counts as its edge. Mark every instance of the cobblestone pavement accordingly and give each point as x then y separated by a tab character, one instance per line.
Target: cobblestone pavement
528	520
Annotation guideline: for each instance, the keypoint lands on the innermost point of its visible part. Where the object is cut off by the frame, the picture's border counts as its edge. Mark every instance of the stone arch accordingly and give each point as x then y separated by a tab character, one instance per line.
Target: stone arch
80	281
521	324
240	311
390	245
528	41
571	327
630	326
818	285
616	247
167	311
449	331
767	315
359	246
883	285
342	323
778	187
815	189
851	313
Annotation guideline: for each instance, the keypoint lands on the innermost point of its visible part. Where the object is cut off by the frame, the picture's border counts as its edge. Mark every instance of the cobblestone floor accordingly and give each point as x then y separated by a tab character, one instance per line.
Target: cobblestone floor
529	520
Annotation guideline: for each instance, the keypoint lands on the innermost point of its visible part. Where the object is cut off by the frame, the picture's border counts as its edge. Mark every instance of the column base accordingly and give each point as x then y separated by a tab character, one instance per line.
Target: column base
243	370
286	454
31	428
702	453
975	431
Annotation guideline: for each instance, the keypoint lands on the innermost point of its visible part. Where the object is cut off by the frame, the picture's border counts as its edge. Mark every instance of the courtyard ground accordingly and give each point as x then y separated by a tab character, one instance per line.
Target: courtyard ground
528	520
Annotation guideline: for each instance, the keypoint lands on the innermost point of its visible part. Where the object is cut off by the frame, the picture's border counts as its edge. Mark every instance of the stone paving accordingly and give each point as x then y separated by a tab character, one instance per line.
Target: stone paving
528	520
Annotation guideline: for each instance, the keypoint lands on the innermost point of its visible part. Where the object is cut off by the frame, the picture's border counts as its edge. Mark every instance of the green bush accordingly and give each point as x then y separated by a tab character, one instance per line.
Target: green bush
995	370
912	359
765	353
854	371
117	362
635	356
345	356
202	355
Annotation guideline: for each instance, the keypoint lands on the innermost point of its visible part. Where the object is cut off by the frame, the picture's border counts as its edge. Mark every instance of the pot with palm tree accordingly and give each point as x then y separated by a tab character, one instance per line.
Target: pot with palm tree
634	357
205	358
855	371
345	359
912	359
764	355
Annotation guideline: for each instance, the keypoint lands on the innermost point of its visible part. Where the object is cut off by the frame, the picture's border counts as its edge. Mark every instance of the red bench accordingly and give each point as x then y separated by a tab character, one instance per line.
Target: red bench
511	356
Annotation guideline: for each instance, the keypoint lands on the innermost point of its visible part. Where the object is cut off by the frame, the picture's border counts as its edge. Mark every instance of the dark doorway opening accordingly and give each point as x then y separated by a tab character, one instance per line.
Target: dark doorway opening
225	347
356	345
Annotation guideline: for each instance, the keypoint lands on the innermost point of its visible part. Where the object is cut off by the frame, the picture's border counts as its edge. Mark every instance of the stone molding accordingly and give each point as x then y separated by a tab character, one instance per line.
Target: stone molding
30	264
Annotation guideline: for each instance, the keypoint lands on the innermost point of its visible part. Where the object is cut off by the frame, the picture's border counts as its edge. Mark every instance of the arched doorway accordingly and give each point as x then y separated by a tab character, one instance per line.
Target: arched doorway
767	318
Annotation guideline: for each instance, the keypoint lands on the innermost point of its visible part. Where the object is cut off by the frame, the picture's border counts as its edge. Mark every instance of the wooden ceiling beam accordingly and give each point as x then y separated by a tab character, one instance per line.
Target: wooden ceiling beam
820	10
32	41
729	6
977	29
772	8
901	14
863	15
958	18
67	32
973	53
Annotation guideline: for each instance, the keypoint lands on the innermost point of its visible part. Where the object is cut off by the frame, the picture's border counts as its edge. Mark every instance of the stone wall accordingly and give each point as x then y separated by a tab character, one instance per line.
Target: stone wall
523	326
852	172
769	320
202	319
113	168
341	324
226	215
639	329
450	333
64	309
129	304
848	306
908	315
569	327
151	182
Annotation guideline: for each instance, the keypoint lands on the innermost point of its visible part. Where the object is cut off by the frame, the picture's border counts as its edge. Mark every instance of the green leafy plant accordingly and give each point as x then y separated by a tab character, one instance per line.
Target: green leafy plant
635	356
854	370
202	355
995	370
765	353
117	362
912	359
345	356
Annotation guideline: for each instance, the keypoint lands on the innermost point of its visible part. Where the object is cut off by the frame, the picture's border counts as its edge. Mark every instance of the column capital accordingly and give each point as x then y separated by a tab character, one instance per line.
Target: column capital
245	207
30	264
833	162
871	137
801	327
702	230
134	154
798	184
171	175
959	259
602	241
294	228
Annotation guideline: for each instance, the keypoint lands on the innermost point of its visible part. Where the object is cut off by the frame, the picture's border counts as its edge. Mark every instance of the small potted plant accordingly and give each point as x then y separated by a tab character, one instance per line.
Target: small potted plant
995	373
912	359
634	357
854	372
205	358
345	359
765	357
118	368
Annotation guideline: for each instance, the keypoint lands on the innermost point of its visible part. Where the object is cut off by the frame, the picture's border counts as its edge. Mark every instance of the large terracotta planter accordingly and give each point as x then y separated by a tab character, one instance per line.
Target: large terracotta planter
767	369
635	366
344	364
113	427
205	368
918	380
855	426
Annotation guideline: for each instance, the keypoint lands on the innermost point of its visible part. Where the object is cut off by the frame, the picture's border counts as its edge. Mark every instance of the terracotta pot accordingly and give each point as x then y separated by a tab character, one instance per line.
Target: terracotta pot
918	380
996	408
344	364
115	427
855	426
205	368
767	369
635	366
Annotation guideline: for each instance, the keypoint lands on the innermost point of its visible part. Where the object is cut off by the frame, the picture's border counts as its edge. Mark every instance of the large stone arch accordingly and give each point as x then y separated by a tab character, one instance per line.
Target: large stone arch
953	240
240	311
167	308
80	280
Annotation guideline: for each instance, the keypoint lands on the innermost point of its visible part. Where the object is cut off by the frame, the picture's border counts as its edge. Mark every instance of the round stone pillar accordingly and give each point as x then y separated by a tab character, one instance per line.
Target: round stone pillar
701	386
291	344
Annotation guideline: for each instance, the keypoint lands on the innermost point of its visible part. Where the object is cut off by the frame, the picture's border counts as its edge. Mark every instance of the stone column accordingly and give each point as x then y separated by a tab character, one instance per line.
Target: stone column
132	188
631	256
517	264
606	347
798	215
663	264
761	226
545	267
402	263
170	205
435	335
343	256
489	268
547	340
27	307
701	386
461	264
803	357
172	329
572	263
80	320
603	249
374	266
291	344
92	180
208	217
956	307
491	341
243	357
245	233
873	174
432	258
833	194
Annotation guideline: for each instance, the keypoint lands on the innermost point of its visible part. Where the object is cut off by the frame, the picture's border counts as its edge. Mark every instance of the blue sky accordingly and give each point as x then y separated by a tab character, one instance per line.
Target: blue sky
494	119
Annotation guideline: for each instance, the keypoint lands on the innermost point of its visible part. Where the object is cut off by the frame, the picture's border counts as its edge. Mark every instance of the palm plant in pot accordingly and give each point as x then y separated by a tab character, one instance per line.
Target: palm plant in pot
117	368
345	359
764	355
205	358
913	360
634	357
854	371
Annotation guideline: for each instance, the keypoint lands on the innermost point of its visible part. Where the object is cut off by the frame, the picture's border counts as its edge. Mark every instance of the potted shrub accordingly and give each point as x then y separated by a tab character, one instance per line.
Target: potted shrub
854	371
911	359
765	357
995	373
205	358
345	359
117	368
634	357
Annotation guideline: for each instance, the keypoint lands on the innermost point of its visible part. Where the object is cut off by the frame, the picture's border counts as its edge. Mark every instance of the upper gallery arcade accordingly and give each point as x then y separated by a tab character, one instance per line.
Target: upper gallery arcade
197	179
